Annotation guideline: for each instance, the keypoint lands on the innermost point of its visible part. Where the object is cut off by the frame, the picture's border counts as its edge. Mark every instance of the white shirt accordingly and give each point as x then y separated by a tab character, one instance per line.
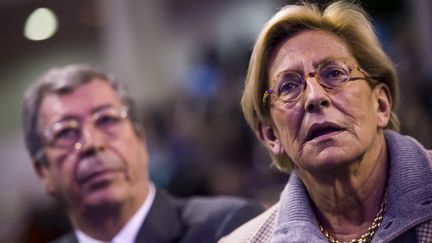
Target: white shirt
129	232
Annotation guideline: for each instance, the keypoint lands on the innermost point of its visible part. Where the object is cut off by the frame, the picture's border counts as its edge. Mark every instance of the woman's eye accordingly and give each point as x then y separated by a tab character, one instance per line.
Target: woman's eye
288	87
334	74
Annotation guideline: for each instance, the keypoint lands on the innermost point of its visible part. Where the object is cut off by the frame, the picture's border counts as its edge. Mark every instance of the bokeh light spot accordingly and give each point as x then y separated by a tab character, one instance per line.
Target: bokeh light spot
40	25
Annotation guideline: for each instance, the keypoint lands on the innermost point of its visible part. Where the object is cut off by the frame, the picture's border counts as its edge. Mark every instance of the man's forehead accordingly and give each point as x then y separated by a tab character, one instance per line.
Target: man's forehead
82	101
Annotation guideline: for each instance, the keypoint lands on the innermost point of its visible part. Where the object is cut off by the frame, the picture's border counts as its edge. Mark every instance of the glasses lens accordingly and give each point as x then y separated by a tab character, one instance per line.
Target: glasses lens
333	74
65	134
290	86
109	120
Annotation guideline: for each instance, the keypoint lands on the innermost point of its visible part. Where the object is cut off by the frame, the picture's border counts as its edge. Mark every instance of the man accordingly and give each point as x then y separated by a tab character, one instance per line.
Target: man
88	148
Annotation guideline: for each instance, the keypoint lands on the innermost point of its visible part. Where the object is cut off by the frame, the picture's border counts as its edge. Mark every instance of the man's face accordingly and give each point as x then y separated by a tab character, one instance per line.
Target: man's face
108	164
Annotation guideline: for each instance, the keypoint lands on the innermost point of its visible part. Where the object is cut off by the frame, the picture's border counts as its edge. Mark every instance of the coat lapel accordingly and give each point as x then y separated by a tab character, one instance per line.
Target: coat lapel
162	224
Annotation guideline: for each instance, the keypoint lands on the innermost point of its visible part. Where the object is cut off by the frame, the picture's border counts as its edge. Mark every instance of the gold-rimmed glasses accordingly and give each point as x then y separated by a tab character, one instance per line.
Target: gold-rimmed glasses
331	74
67	133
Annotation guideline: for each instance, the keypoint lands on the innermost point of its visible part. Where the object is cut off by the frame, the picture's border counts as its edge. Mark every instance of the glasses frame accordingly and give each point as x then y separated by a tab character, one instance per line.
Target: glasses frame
49	132
304	78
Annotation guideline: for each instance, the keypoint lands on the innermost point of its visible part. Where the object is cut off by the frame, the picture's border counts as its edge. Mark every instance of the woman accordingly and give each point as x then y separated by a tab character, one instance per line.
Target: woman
320	94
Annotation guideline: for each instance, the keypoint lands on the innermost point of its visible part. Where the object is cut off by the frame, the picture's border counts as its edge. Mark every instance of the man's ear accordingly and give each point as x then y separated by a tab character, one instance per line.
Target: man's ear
139	130
43	172
384	104
267	135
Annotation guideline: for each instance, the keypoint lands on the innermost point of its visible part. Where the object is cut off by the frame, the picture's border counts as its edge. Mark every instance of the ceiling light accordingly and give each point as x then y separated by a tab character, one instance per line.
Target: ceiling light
40	25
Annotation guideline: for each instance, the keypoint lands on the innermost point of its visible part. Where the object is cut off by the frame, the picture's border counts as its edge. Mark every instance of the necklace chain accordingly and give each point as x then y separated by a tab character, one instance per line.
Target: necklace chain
366	237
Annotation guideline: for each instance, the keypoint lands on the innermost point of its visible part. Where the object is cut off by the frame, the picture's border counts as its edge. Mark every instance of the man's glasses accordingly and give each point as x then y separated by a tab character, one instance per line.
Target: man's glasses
68	133
332	75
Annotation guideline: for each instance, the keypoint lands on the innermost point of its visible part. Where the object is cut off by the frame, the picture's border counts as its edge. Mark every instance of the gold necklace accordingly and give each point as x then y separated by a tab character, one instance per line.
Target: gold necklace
366	237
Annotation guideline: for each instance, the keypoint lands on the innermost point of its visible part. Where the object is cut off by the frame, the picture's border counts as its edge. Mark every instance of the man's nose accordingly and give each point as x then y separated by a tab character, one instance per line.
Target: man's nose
92	140
315	96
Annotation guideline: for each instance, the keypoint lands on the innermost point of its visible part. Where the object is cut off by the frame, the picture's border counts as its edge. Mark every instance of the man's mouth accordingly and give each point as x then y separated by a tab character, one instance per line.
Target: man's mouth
318	130
94	175
84	177
95	169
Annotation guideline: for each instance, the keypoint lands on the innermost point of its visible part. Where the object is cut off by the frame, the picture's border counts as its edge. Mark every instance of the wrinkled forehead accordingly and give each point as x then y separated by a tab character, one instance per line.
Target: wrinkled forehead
307	49
80	102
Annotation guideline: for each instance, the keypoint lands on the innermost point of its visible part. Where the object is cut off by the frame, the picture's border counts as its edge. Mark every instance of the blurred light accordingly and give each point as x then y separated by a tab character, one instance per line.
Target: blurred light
40	25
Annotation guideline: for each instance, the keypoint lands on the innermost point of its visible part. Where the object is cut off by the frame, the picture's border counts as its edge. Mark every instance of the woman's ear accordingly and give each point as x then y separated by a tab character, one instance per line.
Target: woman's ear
267	135
384	104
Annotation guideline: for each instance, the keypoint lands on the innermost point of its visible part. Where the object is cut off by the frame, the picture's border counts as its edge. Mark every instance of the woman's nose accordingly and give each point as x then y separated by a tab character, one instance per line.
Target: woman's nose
315	96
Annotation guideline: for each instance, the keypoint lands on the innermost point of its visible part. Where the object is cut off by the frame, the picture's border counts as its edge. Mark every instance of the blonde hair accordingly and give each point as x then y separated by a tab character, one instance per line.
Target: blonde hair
344	19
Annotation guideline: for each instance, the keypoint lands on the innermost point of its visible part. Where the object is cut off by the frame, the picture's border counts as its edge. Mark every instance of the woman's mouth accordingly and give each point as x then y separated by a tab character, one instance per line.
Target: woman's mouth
322	131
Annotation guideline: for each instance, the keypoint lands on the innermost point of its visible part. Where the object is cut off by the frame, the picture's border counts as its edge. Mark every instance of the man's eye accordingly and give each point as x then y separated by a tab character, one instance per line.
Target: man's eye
107	120
67	134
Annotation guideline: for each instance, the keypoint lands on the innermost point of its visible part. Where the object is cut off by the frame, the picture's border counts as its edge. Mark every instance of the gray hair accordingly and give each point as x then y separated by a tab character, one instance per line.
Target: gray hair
62	81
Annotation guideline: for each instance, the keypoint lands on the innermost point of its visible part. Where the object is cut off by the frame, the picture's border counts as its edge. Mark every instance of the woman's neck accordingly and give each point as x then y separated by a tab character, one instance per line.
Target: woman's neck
347	200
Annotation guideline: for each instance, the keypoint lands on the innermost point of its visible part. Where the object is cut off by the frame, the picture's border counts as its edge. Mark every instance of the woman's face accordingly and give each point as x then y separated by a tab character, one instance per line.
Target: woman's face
323	129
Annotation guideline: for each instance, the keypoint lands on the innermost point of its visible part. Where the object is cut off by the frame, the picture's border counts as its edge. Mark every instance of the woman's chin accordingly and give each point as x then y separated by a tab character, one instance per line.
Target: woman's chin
332	158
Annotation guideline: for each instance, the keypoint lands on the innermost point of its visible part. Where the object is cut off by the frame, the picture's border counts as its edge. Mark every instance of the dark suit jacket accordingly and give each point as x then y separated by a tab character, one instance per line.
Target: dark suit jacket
194	220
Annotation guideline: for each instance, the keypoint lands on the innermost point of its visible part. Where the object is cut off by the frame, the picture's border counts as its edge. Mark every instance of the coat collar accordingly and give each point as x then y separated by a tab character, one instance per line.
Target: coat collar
409	196
409	201
163	223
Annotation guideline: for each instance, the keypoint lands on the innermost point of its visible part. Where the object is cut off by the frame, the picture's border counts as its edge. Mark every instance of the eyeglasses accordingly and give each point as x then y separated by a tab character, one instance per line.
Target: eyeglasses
332	75
68	133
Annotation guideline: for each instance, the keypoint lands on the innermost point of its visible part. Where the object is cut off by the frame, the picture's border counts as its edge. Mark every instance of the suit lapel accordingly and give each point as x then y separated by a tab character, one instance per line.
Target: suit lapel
162	223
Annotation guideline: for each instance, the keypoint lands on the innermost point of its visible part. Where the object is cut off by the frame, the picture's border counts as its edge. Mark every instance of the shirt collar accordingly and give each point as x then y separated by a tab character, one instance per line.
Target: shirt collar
129	232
